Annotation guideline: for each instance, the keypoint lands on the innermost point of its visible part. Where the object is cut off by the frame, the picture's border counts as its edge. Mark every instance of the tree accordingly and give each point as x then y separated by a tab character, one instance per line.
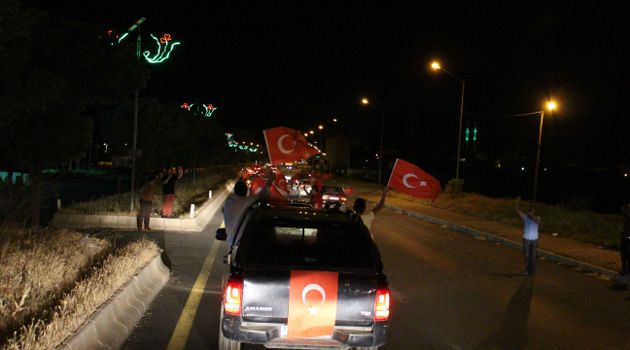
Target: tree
56	69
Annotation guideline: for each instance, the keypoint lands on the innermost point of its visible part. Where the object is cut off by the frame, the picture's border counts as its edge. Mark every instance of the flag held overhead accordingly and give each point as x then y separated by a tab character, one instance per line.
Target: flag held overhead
410	179
287	145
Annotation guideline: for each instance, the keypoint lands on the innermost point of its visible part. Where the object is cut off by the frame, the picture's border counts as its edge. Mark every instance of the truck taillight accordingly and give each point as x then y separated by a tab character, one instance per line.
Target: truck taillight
381	305
233	297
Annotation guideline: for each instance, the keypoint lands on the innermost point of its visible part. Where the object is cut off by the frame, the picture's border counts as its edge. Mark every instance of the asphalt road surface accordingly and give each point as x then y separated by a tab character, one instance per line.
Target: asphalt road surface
450	291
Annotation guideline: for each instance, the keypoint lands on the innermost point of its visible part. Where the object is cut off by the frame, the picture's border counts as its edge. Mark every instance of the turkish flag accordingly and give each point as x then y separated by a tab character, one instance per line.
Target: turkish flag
410	179
279	188
312	303
287	145
258	184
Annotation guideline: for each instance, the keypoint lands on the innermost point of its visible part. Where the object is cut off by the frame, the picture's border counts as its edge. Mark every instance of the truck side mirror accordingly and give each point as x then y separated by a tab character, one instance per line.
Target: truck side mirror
221	235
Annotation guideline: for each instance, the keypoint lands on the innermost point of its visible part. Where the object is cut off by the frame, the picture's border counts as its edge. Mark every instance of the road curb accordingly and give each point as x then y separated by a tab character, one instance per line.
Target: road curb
586	267
110	325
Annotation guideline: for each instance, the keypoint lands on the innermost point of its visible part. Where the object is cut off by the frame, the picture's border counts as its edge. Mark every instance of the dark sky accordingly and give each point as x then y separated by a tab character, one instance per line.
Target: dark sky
299	63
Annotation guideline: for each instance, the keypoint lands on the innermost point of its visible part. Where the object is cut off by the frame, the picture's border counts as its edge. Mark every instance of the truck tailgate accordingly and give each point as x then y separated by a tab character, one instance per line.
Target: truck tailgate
266	297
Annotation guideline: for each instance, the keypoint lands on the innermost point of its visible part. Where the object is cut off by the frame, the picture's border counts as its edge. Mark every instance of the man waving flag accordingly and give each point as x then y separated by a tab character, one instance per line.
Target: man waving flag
287	145
410	179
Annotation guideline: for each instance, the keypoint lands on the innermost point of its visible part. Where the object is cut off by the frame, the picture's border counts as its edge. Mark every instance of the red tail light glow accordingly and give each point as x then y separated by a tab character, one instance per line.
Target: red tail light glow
233	297
381	306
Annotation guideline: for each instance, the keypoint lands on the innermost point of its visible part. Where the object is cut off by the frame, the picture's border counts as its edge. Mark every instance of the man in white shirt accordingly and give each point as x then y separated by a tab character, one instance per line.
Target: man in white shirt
530	237
368	217
235	205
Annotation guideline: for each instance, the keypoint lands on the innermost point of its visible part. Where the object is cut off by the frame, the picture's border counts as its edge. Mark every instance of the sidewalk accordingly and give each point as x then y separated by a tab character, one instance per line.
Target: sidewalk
583	255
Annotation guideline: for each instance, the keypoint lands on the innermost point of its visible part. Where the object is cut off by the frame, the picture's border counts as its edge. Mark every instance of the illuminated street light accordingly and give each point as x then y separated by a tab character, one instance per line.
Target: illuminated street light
311	132
551	106
305	134
335	120
437	67
320	127
366	102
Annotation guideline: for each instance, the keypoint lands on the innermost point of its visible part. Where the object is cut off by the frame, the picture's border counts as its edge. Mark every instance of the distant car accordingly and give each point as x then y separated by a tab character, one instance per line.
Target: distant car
322	266
329	195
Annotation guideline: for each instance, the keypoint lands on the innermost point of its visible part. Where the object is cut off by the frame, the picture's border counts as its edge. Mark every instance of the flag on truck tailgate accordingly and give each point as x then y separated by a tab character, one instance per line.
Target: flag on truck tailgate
312	303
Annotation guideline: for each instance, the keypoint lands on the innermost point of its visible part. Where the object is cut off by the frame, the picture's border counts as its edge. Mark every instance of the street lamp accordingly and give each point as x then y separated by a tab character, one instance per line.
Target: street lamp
551	106
136	97
436	66
366	102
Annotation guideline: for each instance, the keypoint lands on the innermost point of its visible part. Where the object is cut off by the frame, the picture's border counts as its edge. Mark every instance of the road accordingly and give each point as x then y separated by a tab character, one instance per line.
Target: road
450	291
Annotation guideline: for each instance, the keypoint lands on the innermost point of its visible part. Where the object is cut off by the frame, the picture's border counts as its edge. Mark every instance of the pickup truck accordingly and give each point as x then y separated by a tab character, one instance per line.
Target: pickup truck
302	278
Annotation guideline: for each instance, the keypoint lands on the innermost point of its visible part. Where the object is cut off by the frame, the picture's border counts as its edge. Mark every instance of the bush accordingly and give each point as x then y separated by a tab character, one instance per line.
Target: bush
36	269
455	188
84	298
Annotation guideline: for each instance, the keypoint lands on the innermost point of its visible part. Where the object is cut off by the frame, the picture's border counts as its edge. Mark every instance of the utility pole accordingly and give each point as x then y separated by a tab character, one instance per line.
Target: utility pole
135	116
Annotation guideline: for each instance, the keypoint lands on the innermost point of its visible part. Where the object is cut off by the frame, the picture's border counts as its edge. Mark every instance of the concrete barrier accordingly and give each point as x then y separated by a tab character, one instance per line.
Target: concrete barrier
128	222
112	322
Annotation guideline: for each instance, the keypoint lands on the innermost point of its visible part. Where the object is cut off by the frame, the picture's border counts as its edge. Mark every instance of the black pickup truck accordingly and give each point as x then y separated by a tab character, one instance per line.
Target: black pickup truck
302	278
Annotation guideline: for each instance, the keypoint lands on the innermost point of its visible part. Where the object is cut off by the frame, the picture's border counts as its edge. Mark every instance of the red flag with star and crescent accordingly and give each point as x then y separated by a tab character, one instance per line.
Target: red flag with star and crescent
312	303
410	179
287	145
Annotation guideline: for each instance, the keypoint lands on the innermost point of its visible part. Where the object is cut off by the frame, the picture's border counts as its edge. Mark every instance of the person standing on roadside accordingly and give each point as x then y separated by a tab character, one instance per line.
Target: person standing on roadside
624	244
168	190
360	206
146	202
530	236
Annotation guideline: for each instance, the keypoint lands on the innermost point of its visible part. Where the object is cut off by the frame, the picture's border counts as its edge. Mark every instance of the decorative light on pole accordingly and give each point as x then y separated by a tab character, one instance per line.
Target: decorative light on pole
437	67
163	52
551	106
365	101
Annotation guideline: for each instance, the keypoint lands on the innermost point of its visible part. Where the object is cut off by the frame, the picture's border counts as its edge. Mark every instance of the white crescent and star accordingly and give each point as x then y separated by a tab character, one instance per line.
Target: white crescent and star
281	148
313	287
406	177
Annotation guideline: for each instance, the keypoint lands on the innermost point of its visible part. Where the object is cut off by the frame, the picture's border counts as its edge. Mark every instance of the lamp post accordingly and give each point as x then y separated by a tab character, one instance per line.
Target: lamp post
436	66
135	114
551	105
365	101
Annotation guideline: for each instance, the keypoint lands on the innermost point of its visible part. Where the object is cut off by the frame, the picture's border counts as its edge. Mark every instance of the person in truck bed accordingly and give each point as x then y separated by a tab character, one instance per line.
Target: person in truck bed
367	217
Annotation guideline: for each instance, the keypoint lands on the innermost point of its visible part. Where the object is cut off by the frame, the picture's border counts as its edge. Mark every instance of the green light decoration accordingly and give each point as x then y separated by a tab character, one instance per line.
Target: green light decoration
199	109
122	37
232	143
467	138
163	52
475	133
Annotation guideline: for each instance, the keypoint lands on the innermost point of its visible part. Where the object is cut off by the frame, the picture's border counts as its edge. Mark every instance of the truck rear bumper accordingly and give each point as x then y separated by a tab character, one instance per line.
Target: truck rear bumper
271	334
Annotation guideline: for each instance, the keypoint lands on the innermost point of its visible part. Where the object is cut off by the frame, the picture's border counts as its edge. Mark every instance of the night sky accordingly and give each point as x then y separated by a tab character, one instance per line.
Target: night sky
299	63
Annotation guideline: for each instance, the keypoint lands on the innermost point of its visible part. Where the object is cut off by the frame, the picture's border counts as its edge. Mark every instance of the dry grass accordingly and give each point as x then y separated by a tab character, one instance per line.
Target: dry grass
581	225
79	304
35	270
187	193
